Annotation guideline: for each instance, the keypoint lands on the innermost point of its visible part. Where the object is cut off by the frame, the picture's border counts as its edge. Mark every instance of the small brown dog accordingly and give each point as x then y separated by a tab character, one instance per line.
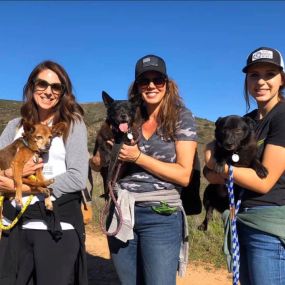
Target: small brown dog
35	141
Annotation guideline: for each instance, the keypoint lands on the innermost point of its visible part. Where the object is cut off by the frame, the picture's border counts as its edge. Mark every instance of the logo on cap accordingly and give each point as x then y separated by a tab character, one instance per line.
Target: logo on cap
150	61
262	54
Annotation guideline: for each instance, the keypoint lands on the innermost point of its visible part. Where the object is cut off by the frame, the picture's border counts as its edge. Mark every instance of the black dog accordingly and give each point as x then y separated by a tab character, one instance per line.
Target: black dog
120	126
215	197
235	144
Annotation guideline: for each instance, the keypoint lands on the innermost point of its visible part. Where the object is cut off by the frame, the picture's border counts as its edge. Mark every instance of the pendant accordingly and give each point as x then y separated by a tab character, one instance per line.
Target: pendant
235	157
130	136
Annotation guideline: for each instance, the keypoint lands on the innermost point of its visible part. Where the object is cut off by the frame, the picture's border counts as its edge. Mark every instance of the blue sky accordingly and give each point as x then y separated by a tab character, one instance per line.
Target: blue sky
204	44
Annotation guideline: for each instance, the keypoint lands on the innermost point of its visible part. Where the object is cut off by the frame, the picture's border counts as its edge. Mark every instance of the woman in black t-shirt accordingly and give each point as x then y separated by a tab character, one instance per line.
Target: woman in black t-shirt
261	221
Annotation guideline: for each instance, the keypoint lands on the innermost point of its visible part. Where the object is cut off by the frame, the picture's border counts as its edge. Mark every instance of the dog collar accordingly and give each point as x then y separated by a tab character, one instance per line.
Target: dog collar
27	145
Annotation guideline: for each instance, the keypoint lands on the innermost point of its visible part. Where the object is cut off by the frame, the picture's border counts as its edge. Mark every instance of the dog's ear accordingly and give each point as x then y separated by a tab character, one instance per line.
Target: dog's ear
107	99
58	129
250	122
28	127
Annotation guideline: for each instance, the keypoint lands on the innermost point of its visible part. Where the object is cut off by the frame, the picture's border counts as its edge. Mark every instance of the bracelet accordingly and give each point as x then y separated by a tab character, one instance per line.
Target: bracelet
138	157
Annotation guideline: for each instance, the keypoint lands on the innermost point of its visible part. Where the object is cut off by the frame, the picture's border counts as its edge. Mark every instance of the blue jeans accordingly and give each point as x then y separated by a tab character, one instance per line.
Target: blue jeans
152	256
262	257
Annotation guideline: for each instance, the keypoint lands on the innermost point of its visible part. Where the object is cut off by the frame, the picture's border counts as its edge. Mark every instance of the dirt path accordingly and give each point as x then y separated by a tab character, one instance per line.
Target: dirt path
102	272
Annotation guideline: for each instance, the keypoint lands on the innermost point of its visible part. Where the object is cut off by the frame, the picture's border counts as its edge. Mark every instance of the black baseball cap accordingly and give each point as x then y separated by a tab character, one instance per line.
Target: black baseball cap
150	63
264	54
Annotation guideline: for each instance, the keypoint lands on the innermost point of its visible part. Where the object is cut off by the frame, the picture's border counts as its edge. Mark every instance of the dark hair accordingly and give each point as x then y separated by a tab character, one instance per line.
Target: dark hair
67	109
247	95
168	112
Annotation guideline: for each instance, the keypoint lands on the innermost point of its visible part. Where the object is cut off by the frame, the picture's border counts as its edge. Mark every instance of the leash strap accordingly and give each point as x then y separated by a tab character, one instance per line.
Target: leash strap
14	222
113	170
234	236
113	161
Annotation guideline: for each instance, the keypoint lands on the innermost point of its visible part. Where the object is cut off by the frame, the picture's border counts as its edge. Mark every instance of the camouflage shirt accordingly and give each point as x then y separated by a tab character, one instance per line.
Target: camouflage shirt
138	179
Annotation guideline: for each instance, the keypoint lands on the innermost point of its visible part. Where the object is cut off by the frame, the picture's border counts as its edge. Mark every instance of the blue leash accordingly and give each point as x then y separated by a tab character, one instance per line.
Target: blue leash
233	218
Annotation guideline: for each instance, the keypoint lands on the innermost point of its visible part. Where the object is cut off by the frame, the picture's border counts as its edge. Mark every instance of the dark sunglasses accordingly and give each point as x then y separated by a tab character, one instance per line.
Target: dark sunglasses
56	88
157	81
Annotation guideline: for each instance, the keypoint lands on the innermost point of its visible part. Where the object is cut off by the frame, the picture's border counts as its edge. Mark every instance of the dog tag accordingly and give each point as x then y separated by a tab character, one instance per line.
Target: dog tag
130	136
235	157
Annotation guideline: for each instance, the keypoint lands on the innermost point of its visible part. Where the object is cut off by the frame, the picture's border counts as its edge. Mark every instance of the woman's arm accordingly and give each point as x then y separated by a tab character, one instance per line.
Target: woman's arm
9	132
178	172
273	160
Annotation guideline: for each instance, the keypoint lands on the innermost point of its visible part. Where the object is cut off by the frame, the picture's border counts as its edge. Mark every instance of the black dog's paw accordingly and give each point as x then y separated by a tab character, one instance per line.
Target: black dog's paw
203	227
260	170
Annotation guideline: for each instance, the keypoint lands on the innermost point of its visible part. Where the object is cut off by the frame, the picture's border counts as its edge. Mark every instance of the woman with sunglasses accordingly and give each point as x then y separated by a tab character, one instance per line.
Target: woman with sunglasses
47	247
261	219
146	250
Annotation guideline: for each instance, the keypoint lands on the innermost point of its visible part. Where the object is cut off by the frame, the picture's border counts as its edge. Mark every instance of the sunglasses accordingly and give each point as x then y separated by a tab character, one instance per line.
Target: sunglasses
157	81
56	88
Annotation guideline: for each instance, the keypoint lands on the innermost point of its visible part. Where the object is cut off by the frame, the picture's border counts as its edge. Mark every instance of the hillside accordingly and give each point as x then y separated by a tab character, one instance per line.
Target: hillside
94	115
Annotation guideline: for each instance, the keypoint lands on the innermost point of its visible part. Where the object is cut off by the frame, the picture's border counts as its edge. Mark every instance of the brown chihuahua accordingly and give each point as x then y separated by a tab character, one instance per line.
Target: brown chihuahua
35	141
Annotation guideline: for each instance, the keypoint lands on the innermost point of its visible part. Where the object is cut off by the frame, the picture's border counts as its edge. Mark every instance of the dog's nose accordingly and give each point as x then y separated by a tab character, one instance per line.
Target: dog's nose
47	146
124	117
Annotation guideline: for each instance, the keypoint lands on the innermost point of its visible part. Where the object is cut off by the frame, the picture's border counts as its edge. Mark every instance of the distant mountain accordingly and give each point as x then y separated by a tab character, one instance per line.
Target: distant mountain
94	116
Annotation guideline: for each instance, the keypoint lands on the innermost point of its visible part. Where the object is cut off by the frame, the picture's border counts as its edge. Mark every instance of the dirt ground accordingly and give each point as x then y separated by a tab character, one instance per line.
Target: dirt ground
102	272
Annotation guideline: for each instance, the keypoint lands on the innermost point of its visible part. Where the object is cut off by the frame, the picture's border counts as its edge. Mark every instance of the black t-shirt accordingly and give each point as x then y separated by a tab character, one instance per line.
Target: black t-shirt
269	130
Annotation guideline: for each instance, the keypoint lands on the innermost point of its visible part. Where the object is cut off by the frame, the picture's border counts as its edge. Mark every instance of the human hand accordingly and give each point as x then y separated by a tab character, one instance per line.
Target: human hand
32	165
29	168
7	185
210	160
129	153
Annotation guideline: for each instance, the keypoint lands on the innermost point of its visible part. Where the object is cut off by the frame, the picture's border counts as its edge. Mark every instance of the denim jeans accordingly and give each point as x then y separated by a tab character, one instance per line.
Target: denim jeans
262	257
152	256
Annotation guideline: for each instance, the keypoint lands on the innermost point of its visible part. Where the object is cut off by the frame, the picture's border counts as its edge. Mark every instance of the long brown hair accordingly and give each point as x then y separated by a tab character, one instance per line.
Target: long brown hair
169	110
67	109
247	95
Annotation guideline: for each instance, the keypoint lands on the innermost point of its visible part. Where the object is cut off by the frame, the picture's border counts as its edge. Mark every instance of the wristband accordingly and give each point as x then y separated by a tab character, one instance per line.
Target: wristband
138	156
